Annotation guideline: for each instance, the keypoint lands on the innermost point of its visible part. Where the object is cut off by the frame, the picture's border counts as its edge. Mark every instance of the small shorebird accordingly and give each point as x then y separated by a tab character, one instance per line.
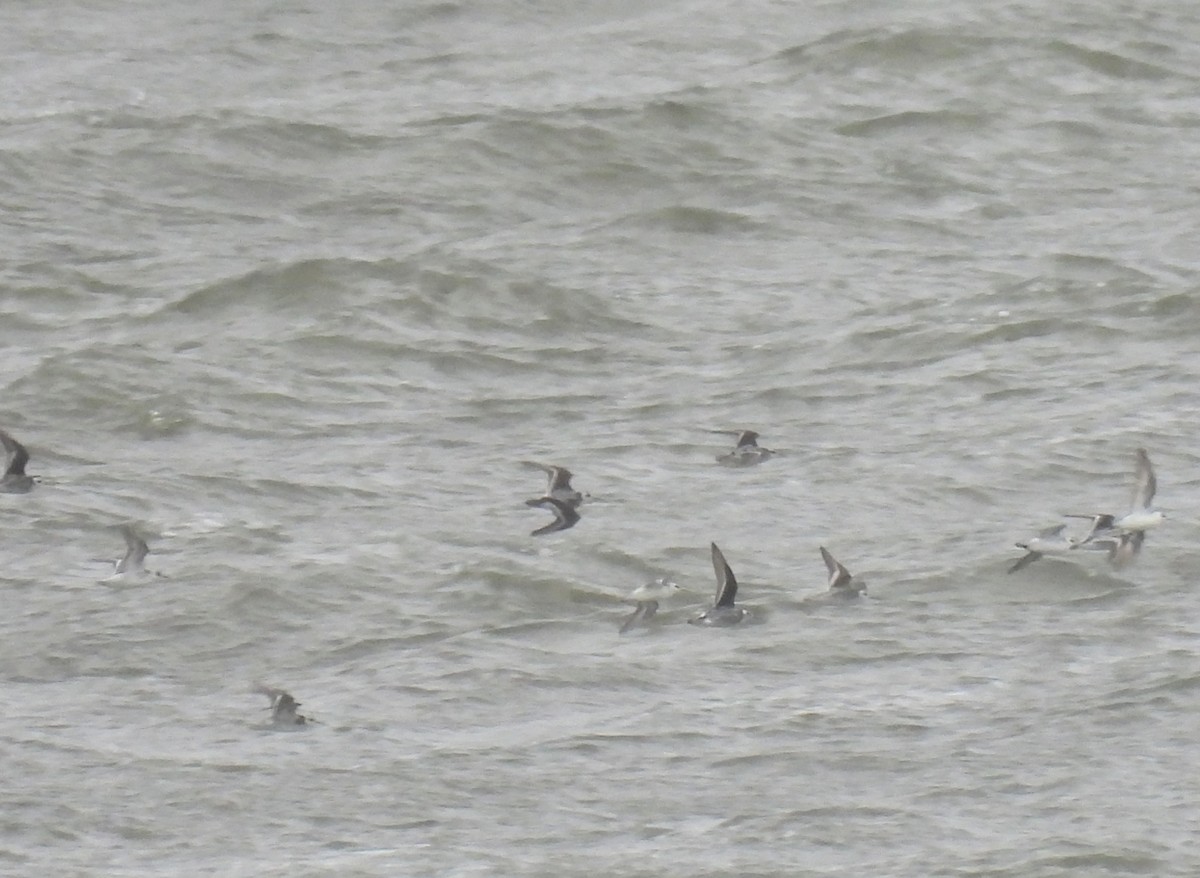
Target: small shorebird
558	484
646	597
14	480
656	590
1050	541
283	707
722	613
134	561
746	450
841	583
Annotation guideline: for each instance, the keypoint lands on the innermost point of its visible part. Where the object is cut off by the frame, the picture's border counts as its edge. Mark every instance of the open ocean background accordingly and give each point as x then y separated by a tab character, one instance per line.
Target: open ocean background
295	286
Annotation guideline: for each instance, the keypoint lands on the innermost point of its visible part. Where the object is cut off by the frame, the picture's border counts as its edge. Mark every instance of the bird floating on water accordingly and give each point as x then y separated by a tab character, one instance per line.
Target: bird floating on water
841	583
283	707
722	613
133	562
746	450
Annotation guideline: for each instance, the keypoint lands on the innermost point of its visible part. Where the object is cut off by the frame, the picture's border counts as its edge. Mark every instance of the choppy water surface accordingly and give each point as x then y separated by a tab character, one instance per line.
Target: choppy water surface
295	288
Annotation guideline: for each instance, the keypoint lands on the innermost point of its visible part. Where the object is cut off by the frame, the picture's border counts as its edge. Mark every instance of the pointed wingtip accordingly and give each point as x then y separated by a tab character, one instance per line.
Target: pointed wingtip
727	584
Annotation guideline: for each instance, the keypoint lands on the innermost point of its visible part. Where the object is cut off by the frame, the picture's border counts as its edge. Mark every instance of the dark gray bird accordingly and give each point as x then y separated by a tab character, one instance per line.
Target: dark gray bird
565	515
559	483
722	613
14	480
746	450
283	707
841	583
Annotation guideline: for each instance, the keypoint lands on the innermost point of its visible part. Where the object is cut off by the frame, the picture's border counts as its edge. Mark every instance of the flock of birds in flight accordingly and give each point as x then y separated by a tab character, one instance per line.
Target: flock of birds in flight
1120	536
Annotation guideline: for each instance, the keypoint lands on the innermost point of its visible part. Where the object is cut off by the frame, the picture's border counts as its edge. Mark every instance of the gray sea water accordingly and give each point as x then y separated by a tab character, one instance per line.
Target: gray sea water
294	287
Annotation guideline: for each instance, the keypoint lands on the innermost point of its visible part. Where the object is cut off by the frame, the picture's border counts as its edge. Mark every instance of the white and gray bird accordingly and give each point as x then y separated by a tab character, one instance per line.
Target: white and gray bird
1050	541
647	597
656	590
133	562
131	565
